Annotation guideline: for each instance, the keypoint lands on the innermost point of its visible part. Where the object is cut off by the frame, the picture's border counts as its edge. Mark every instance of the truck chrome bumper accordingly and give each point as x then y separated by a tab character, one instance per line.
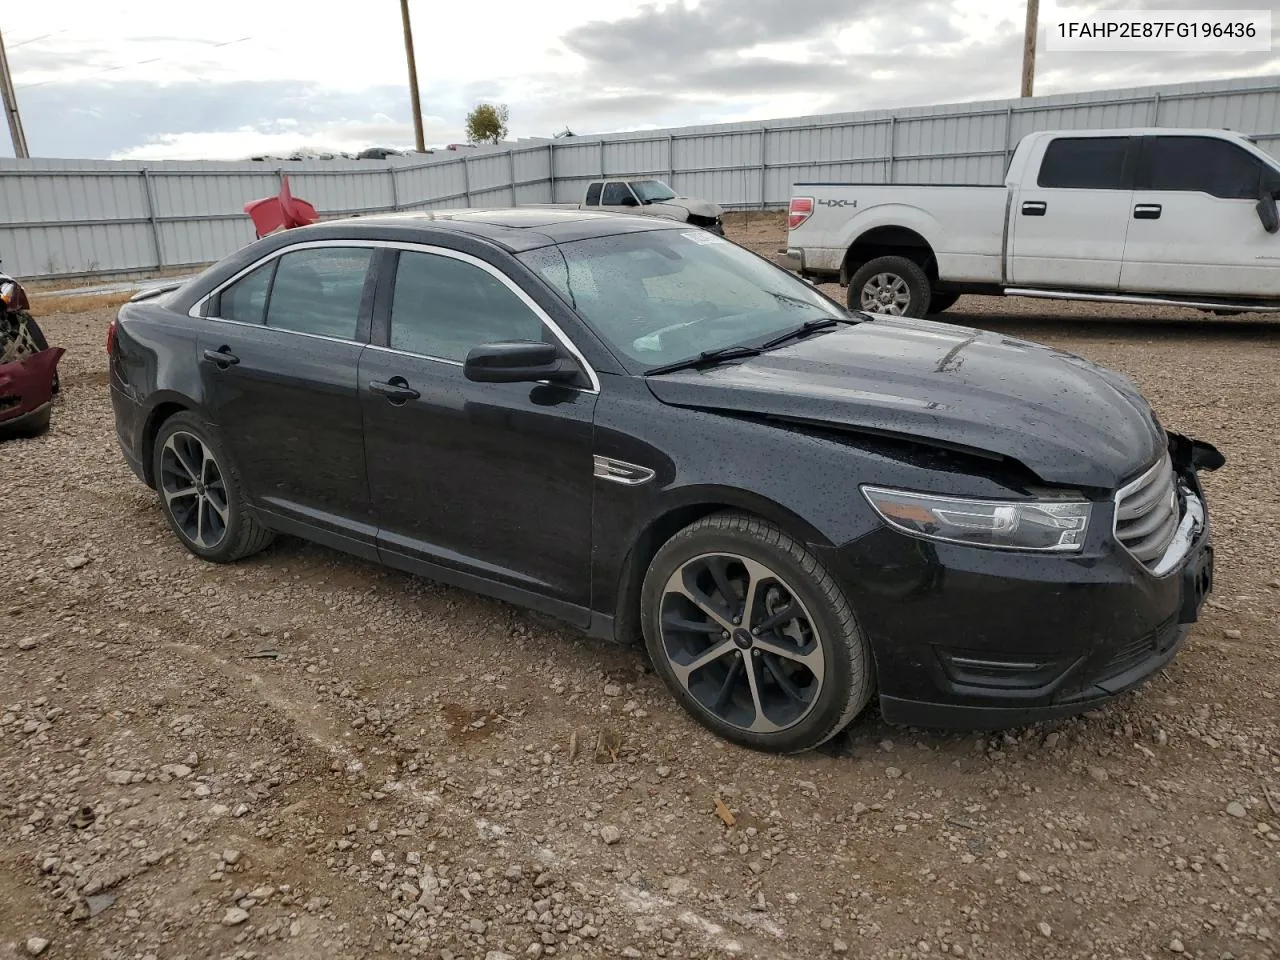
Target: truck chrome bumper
790	258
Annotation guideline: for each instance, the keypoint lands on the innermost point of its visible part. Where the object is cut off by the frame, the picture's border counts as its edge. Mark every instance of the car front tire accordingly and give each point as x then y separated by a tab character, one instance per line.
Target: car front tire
201	493
753	636
893	285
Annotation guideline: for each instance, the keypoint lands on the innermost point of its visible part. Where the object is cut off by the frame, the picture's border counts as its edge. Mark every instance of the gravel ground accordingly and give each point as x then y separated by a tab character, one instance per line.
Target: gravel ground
305	755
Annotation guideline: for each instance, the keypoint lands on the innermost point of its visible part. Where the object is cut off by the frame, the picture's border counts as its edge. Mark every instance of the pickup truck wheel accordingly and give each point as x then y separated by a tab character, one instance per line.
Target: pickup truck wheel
892	285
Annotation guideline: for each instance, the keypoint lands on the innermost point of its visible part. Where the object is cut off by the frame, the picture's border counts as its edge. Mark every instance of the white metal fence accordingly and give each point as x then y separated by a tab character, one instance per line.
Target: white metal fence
95	218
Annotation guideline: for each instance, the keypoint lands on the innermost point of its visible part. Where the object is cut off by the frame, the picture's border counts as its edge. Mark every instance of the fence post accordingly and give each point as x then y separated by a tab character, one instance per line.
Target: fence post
466	178
893	135
551	170
1155	110
1008	136
602	158
764	137
151	216
395	190
671	159
511	169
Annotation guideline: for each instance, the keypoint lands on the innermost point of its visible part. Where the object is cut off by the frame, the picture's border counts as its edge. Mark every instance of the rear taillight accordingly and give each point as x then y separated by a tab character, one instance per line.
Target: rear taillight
111	338
801	210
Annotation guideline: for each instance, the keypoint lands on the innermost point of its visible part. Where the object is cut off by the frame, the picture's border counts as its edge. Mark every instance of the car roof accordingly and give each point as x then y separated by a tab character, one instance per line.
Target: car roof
517	229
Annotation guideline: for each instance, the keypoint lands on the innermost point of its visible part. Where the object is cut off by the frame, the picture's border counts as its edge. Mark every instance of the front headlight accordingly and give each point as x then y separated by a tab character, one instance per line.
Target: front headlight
1043	525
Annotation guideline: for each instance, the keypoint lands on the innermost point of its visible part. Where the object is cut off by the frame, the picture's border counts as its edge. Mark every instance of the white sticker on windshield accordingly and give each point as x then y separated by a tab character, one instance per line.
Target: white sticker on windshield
703	236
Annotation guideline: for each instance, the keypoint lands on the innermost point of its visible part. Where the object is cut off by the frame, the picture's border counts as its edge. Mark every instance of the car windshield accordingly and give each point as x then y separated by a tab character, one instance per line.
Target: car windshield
651	191
663	296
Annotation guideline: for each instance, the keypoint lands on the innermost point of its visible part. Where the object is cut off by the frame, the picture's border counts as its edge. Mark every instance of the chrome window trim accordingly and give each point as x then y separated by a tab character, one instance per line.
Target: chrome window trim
350	341
412	247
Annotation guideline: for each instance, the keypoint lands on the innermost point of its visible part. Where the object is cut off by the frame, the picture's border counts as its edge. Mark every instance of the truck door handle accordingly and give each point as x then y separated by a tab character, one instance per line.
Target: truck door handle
396	390
1147	211
1034	208
222	357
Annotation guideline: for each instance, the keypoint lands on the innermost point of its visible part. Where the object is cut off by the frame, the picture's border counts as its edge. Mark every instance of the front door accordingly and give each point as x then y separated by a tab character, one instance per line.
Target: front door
492	481
279	357
618	198
1194	229
1068	219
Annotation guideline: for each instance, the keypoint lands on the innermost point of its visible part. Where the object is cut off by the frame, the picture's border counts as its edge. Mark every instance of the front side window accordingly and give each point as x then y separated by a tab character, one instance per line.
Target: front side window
663	296
318	291
1085	163
1199	164
245	301
442	307
616	193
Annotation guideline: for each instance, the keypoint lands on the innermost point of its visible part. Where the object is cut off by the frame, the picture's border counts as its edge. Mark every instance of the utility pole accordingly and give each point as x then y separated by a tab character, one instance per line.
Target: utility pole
10	101
1029	47
413	77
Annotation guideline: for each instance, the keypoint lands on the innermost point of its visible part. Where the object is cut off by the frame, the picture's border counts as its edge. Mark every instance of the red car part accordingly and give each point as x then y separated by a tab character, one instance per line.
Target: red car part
282	212
26	388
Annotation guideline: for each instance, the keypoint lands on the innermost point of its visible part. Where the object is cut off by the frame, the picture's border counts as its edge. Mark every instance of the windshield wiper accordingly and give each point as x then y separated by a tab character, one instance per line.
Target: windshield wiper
706	358
806	328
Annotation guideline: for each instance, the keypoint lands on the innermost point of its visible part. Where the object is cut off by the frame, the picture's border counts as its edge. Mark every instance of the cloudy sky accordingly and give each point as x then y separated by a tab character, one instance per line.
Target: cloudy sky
185	79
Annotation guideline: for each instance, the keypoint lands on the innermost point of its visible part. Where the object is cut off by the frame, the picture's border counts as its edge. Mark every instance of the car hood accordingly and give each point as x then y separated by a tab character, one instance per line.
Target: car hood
1065	419
701	208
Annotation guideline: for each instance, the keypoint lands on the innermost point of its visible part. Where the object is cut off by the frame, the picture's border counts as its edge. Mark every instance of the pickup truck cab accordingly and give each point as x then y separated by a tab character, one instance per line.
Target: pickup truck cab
651	198
1173	216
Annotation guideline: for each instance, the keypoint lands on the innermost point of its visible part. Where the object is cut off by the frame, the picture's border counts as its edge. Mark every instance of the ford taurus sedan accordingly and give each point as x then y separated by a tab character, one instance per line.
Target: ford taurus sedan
652	433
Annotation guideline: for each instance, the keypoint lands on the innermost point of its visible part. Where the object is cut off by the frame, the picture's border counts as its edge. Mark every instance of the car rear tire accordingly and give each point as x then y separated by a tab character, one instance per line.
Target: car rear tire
791	671
201	493
893	285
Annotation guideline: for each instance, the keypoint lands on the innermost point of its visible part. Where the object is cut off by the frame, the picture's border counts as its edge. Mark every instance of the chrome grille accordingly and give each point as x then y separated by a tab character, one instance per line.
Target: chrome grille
1147	513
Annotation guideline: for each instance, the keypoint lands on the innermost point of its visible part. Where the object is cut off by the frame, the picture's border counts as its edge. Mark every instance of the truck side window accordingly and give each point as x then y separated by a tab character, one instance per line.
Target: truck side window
615	193
1199	164
1084	163
593	194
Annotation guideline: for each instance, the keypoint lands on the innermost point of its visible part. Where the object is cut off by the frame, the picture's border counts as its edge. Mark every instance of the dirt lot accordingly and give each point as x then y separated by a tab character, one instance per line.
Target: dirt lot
306	756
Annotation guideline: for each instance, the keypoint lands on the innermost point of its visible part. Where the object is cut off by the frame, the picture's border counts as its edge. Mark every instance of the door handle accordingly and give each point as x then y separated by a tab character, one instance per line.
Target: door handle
1147	211
222	357
1034	208
396	390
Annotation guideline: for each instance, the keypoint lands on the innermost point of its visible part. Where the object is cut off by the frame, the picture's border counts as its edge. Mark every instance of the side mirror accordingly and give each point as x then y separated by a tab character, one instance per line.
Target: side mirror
630	201
1266	208
518	361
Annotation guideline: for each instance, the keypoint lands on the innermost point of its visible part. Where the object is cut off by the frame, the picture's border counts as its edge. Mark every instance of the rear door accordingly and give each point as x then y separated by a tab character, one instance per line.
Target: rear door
1194	228
1069	216
278	360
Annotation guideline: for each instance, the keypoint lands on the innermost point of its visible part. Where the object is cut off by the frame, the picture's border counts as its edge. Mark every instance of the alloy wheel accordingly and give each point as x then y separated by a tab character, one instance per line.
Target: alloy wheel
886	293
741	642
193	489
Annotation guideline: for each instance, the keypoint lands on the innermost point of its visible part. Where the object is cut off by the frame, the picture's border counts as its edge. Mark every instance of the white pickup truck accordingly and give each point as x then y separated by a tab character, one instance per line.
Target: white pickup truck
1171	216
649	197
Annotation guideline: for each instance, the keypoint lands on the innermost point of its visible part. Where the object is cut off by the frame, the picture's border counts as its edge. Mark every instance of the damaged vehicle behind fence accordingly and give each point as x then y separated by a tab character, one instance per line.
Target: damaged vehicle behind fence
652	433
28	366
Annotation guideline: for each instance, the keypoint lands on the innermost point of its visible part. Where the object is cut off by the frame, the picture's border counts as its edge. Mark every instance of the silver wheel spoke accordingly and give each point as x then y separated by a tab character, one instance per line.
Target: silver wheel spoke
761	723
685	671
200	520
220	508
179	456
700	600
185	492
813	659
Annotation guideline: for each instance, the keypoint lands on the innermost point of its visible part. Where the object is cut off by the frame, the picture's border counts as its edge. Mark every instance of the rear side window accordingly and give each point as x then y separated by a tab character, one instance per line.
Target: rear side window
593	194
318	291
1085	163
442	307
1201	165
615	193
246	300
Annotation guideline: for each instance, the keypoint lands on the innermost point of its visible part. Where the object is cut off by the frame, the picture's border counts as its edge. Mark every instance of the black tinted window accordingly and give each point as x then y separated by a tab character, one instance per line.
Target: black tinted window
1086	163
443	307
246	299
318	291
615	192
593	194
1203	164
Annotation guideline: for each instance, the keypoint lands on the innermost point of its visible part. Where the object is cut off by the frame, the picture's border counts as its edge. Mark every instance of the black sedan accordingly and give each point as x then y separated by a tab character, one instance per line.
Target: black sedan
650	432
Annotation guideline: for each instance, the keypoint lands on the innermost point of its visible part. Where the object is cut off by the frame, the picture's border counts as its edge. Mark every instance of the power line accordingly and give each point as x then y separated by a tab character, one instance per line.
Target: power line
43	36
